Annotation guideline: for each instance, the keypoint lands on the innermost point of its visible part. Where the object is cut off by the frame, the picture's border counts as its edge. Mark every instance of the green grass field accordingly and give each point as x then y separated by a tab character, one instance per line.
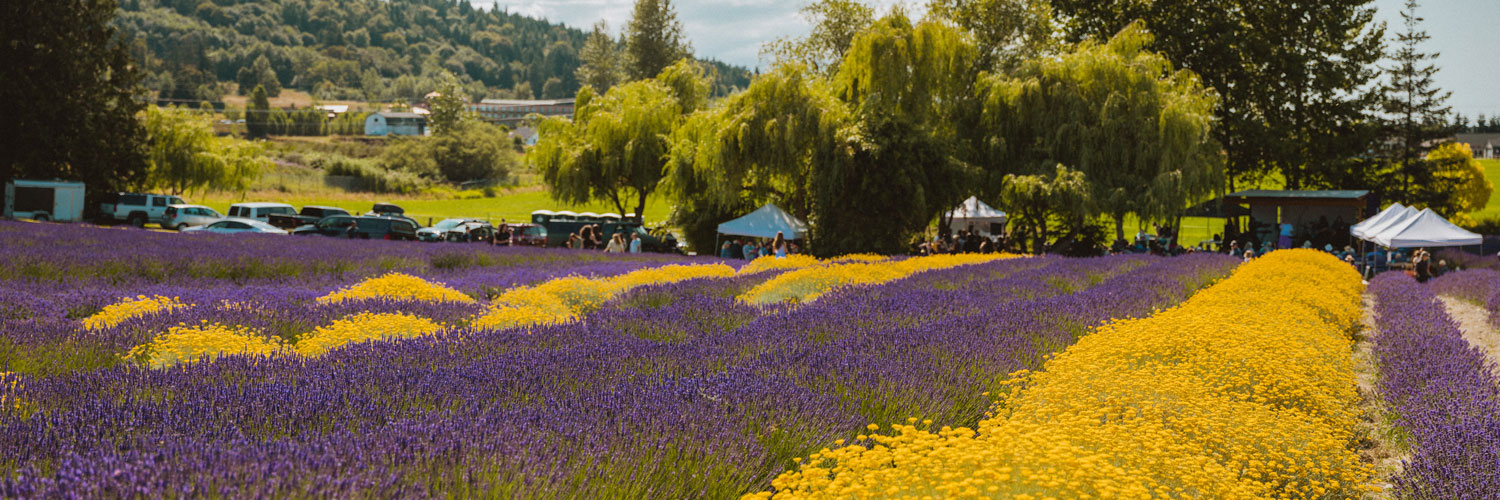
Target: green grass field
1492	171
513	207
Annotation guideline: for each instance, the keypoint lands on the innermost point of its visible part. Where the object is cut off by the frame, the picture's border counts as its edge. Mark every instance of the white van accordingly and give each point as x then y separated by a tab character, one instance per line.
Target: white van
260	211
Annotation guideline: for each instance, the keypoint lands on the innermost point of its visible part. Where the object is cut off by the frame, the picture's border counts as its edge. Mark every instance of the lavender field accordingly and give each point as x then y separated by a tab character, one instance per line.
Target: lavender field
1443	392
665	390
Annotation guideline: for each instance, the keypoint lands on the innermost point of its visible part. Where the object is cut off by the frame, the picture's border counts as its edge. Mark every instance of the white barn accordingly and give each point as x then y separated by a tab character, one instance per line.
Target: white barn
388	123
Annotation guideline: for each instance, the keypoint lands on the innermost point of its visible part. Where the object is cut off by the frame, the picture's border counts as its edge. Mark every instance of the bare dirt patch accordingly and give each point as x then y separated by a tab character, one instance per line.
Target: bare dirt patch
1474	322
1378	439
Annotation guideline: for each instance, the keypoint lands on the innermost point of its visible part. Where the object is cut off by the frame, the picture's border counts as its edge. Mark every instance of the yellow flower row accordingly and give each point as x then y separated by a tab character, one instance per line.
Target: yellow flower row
800	261
186	344
564	299
808	283
397	286
1244	391
128	308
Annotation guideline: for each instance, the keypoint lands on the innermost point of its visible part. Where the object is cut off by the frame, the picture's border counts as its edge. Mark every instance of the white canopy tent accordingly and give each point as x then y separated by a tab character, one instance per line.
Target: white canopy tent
1394	219
975	212
1395	210
1426	229
765	222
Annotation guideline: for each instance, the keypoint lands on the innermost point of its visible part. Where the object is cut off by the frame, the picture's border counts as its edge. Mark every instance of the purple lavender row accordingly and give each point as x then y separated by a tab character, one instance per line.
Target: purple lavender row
1443	392
87	255
1479	286
607	407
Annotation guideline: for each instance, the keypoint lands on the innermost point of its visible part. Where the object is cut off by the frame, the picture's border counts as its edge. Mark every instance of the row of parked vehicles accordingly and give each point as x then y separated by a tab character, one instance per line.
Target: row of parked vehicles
62	201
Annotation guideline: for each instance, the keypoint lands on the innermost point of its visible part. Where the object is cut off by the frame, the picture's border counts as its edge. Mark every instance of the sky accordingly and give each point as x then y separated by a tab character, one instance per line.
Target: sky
1463	31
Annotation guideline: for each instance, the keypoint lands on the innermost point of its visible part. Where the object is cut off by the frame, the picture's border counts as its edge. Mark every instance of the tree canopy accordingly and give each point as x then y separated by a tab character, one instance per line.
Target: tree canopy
1291	76
370	50
616	145
184	154
1120	115
71	93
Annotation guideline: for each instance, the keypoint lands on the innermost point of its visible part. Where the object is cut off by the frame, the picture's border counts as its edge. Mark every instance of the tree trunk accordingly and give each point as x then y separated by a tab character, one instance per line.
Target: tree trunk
1119	227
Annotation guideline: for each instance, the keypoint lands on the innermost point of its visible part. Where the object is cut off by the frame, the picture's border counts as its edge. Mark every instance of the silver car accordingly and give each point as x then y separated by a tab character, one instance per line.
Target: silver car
235	225
183	216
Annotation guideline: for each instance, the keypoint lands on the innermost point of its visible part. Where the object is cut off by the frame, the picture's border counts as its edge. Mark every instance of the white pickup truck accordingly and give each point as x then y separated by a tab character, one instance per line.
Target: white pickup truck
136	209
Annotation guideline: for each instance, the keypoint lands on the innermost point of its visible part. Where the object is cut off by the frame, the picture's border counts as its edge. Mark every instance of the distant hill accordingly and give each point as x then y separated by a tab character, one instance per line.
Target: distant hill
354	50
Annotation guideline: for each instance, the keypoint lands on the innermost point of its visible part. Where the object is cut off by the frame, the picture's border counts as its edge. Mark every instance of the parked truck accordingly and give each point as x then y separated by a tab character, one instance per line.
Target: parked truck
310	214
136	208
59	201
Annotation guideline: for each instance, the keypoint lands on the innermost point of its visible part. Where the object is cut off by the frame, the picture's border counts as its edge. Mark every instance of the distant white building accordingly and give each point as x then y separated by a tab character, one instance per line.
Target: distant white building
388	123
527	135
510	112
1485	146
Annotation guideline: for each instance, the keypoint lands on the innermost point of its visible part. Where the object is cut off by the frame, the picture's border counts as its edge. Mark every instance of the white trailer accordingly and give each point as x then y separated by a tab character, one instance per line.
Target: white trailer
60	201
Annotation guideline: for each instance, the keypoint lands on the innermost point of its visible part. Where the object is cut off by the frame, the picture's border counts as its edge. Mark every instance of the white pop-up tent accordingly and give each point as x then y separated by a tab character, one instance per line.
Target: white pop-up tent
1361	229
1426	229
1394	219
975	212
765	222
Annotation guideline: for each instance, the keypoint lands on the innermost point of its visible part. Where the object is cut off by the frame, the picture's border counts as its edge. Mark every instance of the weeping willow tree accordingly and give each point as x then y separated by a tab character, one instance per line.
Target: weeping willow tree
758	146
870	155
615	147
1033	199
1119	114
900	160
184	154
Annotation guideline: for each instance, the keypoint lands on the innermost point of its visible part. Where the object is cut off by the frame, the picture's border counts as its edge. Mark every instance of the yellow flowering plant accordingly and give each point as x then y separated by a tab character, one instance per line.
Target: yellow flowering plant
134	307
1246	390
397	286
365	327
565	299
186	344
807	284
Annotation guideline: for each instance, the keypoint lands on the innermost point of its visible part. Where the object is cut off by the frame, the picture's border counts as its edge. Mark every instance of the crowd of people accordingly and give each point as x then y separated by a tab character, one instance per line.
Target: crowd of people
591	237
751	249
964	241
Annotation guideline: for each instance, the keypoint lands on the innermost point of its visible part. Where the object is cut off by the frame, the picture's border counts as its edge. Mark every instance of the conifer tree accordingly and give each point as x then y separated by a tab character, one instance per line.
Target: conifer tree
653	39
1415	108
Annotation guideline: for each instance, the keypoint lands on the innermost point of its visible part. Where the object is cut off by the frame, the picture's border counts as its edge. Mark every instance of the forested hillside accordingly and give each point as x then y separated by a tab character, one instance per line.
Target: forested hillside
363	50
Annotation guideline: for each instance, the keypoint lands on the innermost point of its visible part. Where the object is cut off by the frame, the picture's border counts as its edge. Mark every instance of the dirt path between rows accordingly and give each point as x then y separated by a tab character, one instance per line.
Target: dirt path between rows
1474	322
1375	434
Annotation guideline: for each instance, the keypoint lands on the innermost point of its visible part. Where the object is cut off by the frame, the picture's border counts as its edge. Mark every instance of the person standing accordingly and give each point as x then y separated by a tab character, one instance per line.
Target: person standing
635	243
1423	265
616	244
778	245
749	251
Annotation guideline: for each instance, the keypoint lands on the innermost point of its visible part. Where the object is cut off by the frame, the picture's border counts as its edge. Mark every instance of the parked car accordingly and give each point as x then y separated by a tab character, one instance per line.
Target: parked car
527	235
181	217
310	214
260	211
457	230
365	227
60	201
386	209
136	208
234	225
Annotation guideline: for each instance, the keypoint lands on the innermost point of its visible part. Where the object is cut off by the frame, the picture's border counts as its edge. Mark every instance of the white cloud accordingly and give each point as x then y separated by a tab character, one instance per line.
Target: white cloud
729	30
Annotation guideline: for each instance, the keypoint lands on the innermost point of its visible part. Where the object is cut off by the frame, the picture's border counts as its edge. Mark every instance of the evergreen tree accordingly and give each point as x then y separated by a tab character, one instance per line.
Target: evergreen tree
258	114
71	92
1415	108
600	66
448	113
266	76
653	39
